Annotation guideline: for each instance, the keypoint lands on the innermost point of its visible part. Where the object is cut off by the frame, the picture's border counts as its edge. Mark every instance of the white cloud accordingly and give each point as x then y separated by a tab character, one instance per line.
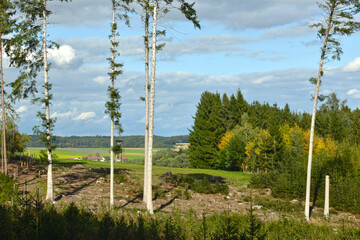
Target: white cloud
85	116
352	66
64	56
65	114
355	93
263	79
130	91
21	109
101	79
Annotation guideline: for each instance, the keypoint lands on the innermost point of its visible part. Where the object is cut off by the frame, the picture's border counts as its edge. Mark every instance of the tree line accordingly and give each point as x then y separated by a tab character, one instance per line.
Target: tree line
232	134
103	141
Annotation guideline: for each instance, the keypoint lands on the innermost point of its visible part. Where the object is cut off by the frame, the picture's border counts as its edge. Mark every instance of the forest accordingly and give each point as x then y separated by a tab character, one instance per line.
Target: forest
103	141
231	134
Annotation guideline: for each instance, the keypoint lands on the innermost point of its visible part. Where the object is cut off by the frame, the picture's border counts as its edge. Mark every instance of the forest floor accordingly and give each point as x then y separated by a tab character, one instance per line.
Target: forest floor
89	188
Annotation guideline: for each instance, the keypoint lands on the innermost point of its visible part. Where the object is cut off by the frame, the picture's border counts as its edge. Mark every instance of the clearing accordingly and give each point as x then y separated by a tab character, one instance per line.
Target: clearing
174	189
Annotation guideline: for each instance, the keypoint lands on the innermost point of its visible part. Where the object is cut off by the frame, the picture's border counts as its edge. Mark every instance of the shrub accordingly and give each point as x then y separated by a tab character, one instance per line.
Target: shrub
170	158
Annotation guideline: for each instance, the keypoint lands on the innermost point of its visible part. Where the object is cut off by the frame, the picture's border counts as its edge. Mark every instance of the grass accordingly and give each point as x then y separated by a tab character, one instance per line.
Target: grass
66	153
63	155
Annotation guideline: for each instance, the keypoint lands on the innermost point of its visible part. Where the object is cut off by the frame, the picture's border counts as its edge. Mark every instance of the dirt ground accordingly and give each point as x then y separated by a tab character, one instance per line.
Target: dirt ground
90	187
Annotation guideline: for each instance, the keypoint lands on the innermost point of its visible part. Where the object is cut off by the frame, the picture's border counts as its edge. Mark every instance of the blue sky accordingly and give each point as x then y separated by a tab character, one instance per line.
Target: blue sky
262	47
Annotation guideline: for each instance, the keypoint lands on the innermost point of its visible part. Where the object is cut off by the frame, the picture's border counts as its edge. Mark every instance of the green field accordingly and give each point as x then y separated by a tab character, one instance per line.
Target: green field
67	153
63	158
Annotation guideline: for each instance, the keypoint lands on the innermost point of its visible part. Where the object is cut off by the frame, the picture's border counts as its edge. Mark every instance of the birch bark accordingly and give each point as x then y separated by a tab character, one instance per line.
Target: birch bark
112	118
320	73
149	204
146	43
50	191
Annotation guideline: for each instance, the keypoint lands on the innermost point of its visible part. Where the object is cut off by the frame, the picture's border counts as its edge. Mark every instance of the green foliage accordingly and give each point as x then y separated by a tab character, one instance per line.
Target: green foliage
206	131
120	178
200	183
15	142
8	189
339	20
274	143
117	149
35	220
113	107
170	158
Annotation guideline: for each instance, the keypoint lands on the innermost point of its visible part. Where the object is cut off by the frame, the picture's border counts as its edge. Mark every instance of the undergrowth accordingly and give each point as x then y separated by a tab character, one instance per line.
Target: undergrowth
32	219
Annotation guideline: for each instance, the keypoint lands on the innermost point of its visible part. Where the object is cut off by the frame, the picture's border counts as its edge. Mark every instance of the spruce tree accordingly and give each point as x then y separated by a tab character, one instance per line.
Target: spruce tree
206	132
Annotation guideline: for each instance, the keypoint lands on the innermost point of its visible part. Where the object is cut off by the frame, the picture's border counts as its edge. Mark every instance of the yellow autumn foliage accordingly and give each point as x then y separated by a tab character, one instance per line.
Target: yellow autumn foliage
249	148
225	139
327	145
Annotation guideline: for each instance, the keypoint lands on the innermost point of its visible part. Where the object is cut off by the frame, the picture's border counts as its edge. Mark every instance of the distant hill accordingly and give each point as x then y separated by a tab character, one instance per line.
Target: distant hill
103	141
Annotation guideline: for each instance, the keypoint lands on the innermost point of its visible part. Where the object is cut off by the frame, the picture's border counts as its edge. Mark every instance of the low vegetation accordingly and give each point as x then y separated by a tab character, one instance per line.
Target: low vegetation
33	219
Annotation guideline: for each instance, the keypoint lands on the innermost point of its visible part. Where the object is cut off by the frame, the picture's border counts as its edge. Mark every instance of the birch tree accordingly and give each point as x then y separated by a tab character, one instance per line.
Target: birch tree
146	6
113	105
25	85
47	122
18	33
338	21
189	12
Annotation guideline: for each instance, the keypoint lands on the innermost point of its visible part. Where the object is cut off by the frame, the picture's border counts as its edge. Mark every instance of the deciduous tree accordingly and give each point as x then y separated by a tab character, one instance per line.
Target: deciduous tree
113	105
338	21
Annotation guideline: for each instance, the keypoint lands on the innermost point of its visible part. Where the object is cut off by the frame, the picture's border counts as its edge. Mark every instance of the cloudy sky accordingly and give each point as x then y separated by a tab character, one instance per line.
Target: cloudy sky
262	47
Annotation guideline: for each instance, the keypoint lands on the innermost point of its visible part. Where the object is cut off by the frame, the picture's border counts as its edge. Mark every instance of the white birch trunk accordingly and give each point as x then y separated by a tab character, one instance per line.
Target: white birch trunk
308	178
50	191
149	204
326	205
4	155
112	119
146	146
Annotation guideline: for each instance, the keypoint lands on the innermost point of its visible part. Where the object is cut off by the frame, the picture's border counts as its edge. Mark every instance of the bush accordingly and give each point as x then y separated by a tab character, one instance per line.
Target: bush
200	183
170	158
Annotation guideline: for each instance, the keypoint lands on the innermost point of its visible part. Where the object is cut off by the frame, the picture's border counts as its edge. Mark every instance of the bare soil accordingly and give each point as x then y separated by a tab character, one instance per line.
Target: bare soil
90	188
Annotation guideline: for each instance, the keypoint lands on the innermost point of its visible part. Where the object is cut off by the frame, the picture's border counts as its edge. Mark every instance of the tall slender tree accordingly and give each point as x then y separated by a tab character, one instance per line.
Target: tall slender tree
113	105
149	204
48	122
190	13
146	6
24	85
18	35
7	26
338	21
4	156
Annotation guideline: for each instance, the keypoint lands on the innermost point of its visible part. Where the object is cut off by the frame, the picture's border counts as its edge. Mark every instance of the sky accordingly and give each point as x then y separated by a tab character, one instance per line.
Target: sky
264	48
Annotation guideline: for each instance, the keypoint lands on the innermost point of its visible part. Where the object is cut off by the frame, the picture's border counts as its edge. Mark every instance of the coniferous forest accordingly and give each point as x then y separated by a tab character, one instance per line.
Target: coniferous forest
272	142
